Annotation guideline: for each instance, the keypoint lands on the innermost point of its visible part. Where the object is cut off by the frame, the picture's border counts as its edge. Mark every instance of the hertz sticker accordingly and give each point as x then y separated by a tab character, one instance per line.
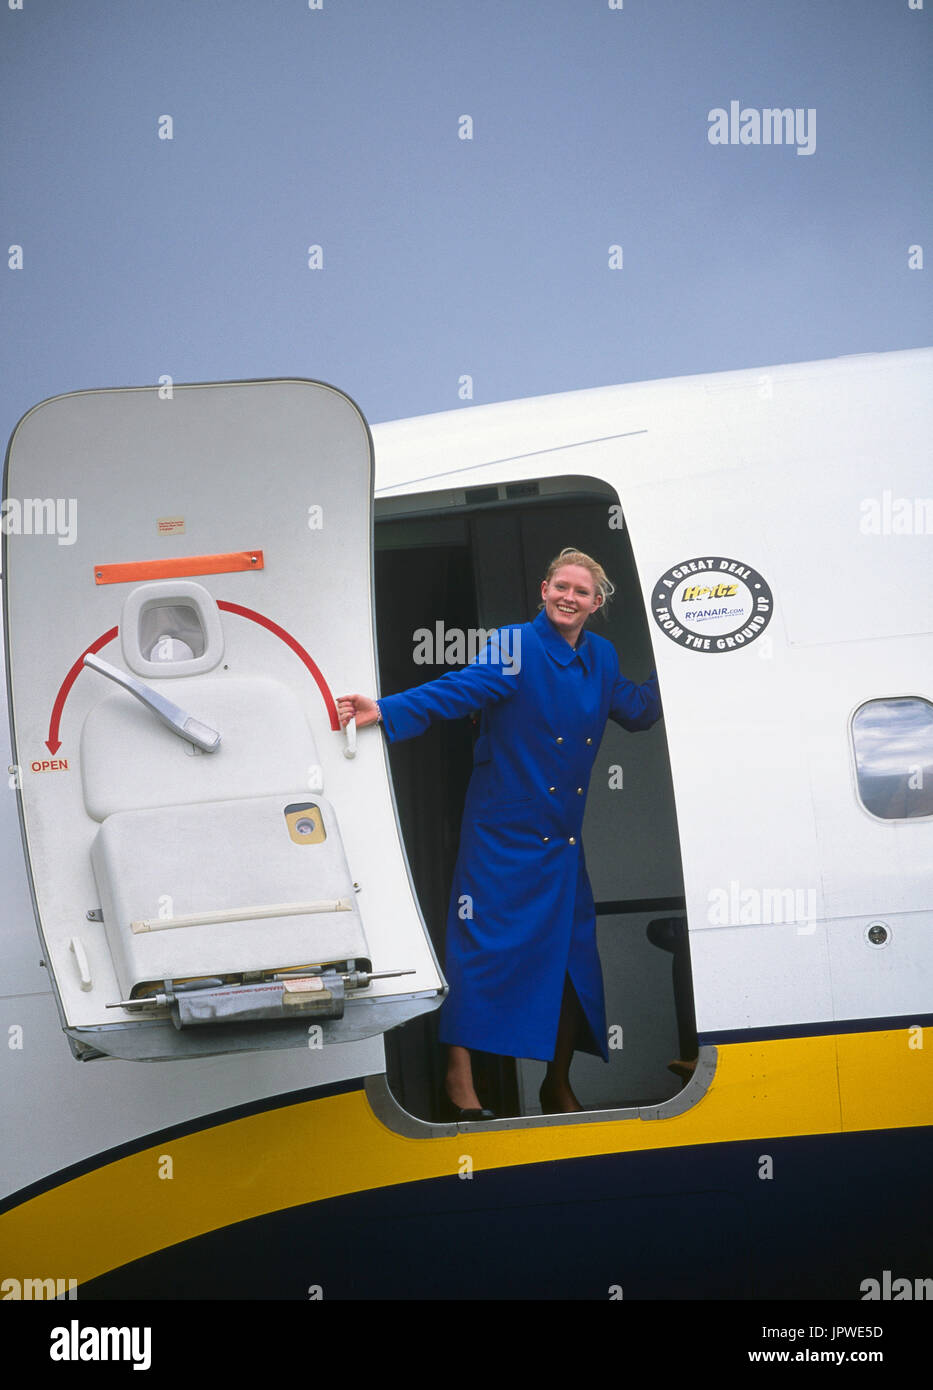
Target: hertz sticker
711	604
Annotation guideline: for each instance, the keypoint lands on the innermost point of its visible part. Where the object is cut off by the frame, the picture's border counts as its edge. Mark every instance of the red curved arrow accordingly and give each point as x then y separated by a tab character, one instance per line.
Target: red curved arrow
53	742
296	647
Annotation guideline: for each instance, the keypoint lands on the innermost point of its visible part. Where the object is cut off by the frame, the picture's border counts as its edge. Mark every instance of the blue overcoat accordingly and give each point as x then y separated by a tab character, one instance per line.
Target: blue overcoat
521	914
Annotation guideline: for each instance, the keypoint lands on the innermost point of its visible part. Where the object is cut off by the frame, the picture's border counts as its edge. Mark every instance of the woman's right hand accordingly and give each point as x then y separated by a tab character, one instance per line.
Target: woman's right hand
359	707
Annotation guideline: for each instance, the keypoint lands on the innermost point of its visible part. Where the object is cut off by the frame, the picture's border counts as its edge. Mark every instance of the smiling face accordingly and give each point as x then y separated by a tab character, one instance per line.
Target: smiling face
570	597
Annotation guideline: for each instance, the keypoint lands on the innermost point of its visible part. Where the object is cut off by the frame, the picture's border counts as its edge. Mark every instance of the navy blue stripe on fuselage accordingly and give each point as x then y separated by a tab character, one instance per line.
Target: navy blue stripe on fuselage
814	1030
797	1218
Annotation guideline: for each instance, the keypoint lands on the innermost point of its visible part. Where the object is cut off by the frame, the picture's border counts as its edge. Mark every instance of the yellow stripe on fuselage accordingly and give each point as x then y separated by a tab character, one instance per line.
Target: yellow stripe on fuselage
335	1145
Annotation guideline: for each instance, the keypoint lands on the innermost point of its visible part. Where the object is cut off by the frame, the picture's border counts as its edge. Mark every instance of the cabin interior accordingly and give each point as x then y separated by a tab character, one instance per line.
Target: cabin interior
474	558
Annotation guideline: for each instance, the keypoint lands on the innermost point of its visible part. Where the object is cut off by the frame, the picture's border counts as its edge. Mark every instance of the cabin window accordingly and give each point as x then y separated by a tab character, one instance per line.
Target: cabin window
892	741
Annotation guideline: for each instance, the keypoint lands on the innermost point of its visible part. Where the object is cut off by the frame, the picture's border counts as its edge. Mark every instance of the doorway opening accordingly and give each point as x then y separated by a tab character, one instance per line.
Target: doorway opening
474	559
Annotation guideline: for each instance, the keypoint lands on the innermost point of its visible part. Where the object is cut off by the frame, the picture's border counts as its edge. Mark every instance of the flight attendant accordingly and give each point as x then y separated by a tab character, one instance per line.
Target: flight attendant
522	964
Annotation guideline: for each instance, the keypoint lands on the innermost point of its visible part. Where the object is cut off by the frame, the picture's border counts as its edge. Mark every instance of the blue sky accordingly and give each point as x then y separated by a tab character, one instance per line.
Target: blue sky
443	256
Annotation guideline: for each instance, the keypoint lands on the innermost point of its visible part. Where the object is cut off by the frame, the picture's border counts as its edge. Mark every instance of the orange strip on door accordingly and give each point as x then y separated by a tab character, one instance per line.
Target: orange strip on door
177	568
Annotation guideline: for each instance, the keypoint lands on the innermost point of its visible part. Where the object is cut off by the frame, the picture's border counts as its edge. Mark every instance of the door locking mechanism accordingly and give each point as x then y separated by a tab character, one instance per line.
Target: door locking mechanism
174	718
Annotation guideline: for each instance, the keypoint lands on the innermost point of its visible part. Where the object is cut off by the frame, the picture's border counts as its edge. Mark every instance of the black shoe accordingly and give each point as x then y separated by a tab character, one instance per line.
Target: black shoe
449	1111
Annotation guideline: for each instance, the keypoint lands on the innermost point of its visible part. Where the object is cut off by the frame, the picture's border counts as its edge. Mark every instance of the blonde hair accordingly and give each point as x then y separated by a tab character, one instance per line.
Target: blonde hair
601	581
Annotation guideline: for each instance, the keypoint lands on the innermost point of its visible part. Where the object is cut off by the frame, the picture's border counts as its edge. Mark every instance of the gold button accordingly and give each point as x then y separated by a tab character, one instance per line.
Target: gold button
560	740
589	740
579	791
546	839
552	789
571	841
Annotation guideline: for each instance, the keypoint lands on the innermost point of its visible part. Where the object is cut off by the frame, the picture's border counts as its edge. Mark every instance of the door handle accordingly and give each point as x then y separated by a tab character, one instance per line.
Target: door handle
174	718
349	750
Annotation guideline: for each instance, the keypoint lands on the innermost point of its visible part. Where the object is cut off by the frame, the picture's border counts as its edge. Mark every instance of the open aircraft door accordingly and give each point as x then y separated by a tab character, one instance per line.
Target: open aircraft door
215	865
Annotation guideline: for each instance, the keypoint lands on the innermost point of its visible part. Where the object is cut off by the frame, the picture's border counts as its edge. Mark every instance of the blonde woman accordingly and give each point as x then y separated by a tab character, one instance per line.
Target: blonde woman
524	973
